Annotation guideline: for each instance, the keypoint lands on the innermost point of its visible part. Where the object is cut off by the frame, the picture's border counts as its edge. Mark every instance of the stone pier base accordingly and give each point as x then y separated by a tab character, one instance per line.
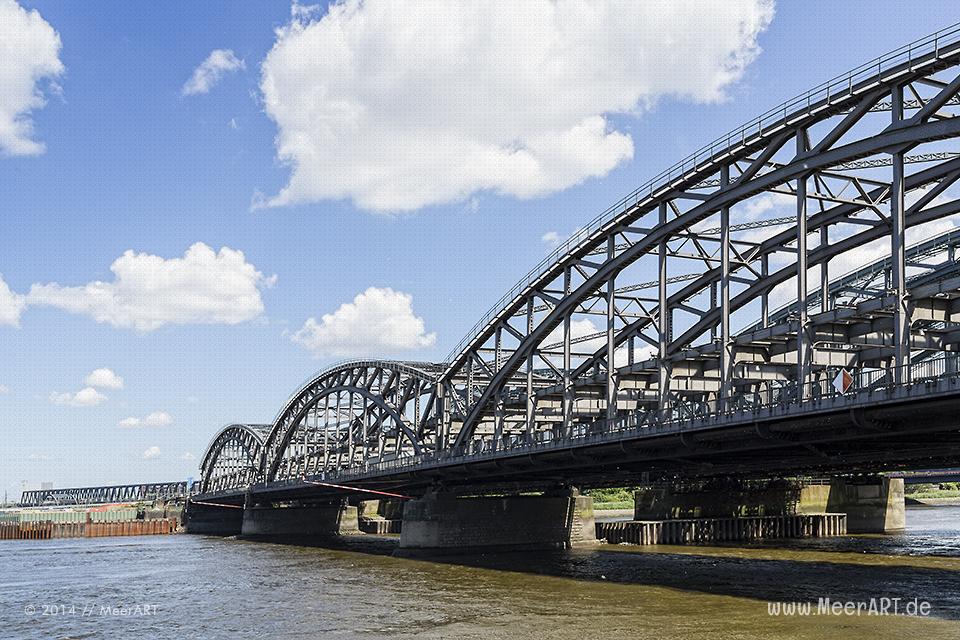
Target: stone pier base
299	521
212	521
872	504
441	523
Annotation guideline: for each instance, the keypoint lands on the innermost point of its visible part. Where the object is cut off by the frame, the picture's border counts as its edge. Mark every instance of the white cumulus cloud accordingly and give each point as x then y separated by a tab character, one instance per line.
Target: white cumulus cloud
151	452
86	397
399	104
377	321
105	379
211	70
187	456
155	419
148	291
11	305
5	390
30	51
551	239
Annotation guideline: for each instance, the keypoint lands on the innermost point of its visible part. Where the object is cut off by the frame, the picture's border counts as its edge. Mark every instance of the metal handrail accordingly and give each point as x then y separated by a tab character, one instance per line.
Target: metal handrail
674	418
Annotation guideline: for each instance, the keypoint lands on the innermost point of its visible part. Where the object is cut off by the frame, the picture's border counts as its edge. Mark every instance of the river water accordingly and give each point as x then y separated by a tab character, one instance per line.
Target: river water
194	587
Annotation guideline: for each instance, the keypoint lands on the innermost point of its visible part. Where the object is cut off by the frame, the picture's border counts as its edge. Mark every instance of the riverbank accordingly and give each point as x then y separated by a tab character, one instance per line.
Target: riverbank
611	515
953	501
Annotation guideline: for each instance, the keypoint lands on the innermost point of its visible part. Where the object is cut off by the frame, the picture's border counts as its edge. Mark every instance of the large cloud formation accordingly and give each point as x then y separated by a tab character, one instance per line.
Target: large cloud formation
377	321
148	291
399	104
30	53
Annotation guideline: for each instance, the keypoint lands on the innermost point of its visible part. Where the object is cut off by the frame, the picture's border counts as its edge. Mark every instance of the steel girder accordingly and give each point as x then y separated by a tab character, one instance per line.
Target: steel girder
839	162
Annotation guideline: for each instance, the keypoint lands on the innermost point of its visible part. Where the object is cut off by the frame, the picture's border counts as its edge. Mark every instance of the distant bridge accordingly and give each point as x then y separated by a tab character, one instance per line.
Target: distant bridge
108	495
928	476
697	327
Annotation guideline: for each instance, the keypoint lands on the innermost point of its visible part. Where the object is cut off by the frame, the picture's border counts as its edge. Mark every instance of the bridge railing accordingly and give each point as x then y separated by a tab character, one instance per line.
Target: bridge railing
867	385
836	89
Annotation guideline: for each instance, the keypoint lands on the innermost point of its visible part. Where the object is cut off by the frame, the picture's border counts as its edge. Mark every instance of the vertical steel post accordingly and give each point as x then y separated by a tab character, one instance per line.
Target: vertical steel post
663	377
901	312
440	407
382	433
326	429
364	418
498	412
611	344
302	458
469	393
765	296
824	272
803	340
726	340
352	456
567	387
339	433
713	307
530	405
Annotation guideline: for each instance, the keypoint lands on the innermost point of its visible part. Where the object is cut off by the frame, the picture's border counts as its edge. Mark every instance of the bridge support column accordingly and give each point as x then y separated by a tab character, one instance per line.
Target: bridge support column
212	520
305	521
443	523
872	504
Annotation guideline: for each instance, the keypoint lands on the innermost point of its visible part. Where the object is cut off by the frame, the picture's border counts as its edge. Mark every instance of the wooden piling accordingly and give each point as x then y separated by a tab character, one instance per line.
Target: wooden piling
710	530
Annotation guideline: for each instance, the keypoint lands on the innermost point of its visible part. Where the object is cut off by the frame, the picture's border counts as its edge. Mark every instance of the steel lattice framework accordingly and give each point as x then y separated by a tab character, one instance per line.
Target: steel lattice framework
111	494
352	413
709	291
233	456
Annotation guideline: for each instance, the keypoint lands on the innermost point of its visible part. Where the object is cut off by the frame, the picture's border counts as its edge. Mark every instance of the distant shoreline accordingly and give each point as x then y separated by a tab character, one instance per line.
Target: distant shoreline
933	502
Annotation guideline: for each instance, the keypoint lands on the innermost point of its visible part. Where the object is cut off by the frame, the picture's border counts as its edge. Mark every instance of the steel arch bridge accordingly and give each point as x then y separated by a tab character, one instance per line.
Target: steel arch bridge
707	297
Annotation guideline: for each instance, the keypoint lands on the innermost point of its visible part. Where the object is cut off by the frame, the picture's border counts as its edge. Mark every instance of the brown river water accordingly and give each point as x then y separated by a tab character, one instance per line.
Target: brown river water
196	587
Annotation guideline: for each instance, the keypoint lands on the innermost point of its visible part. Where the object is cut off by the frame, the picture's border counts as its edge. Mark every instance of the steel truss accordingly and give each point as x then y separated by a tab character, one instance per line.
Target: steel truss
105	495
233	457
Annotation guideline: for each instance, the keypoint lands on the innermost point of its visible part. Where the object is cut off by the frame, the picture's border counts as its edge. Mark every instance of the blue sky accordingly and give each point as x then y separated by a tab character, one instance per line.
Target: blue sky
133	162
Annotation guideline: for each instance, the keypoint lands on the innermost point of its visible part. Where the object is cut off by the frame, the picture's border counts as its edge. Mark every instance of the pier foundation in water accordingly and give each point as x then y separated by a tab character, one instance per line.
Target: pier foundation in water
445	523
872	504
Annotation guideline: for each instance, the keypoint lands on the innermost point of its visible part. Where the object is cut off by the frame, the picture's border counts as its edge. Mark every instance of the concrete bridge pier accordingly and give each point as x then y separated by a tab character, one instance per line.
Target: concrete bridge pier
443	523
872	504
267	521
211	520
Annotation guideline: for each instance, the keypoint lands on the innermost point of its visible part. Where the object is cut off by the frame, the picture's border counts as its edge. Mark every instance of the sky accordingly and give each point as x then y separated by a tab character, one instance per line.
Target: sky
203	204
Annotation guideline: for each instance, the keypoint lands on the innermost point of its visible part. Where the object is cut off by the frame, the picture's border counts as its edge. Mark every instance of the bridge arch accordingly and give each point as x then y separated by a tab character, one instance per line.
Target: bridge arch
233	457
841	161
354	412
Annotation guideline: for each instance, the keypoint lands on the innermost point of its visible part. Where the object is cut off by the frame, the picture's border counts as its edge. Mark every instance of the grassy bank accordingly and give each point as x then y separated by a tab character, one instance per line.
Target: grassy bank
942	490
611	499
